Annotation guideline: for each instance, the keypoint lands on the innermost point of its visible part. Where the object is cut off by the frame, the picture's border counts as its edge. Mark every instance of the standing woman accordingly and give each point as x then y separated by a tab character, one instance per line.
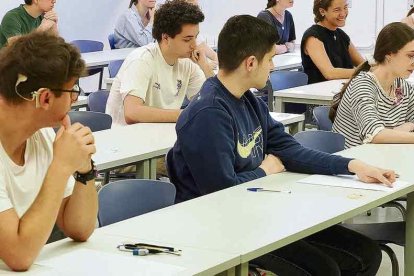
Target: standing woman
282	20
327	51
377	106
134	28
409	19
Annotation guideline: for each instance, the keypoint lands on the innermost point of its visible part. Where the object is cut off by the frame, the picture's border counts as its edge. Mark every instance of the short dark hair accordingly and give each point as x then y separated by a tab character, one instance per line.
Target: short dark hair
410	12
133	2
28	2
392	38
172	15
243	36
320	4
45	59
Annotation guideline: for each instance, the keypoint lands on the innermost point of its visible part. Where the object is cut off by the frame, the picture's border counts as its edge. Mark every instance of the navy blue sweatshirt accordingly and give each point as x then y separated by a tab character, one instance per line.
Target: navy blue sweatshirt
222	140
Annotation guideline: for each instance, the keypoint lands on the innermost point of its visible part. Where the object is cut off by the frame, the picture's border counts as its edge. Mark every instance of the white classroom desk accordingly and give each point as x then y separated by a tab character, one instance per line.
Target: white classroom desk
80	103
293	121
317	93
287	61
102	58
252	224
128	145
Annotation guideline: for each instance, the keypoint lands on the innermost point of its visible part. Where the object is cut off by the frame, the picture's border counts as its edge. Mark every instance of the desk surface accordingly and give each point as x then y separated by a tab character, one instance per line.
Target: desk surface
317	91
130	144
288	61
251	223
81	102
102	58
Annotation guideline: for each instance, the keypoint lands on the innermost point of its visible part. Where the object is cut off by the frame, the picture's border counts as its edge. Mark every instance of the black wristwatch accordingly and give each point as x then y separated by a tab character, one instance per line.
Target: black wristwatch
85	177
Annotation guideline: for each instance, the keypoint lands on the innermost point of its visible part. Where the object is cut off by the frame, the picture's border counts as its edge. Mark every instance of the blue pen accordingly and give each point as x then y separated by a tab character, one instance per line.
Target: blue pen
267	190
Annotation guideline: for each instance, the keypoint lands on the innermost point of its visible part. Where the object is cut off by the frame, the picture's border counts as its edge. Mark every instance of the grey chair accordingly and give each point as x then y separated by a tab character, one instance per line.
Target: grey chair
97	101
288	79
321	117
383	233
124	199
96	121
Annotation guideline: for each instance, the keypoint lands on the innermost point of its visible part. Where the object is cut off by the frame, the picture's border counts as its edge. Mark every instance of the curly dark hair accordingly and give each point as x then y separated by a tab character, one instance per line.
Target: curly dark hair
243	36
45	59
28	2
172	15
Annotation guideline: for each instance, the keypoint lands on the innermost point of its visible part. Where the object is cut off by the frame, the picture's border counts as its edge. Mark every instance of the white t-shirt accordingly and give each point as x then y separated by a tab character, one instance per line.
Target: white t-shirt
146	74
20	185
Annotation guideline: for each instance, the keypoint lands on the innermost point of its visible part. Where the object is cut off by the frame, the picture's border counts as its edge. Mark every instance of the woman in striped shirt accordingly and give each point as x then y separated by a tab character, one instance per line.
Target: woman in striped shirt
377	104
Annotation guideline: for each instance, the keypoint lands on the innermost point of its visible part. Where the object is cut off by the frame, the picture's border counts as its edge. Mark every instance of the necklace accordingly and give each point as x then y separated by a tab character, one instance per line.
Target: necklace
282	17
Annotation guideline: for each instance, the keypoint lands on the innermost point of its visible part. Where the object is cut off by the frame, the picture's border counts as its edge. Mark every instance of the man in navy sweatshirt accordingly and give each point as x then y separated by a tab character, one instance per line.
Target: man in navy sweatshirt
226	137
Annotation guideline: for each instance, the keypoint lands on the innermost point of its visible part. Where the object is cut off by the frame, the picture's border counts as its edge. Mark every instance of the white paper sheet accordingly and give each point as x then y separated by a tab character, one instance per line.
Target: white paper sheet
93	262
349	181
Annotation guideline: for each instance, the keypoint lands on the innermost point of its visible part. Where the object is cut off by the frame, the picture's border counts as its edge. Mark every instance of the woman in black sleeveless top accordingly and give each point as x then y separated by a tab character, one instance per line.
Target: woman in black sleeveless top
327	51
282	21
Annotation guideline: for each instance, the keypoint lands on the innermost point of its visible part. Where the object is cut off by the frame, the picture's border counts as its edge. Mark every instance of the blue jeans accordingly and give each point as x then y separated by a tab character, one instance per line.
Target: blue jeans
333	251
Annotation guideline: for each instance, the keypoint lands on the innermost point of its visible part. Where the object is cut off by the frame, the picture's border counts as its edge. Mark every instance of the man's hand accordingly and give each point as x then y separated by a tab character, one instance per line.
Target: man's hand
272	165
370	174
73	147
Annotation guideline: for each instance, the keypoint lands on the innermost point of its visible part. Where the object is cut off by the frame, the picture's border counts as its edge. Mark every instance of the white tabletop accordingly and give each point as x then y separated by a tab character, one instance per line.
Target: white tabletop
318	91
191	262
81	102
102	58
287	118
125	145
288	61
235	220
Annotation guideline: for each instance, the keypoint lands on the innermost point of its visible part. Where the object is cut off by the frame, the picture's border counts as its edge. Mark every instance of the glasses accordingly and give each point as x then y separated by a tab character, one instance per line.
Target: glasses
75	91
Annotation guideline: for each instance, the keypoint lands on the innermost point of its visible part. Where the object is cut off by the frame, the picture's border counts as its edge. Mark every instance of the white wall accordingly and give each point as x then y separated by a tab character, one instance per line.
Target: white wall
94	19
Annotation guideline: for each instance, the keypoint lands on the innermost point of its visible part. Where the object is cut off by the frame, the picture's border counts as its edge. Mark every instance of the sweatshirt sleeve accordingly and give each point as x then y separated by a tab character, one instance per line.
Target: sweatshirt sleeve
208	148
297	158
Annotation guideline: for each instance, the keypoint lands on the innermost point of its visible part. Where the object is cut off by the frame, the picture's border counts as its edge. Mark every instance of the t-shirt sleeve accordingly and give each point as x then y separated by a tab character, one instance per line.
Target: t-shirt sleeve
197	78
5	202
364	109
266	16
292	31
11	25
136	78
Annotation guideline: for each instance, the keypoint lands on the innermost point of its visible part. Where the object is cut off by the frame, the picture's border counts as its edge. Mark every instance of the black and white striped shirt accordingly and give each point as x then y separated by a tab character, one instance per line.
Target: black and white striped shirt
365	109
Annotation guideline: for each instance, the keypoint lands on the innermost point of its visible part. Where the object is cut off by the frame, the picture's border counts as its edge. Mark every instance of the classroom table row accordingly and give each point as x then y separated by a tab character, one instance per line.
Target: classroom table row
223	231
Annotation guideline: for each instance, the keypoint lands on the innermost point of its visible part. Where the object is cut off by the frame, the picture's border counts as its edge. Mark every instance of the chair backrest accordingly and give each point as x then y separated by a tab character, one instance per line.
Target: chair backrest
87	46
326	141
94	120
124	199
111	40
321	116
287	79
113	67
97	100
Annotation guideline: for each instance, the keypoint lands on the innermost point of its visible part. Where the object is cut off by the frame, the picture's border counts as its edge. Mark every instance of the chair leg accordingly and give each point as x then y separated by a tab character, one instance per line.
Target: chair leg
393	257
397	205
100	79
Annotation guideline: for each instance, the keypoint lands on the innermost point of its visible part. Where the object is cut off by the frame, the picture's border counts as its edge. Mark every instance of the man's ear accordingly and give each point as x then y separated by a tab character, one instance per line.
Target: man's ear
44	98
250	63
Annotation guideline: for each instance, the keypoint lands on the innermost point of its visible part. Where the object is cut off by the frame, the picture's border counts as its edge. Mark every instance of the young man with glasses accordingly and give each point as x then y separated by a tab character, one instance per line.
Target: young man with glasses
154	80
45	179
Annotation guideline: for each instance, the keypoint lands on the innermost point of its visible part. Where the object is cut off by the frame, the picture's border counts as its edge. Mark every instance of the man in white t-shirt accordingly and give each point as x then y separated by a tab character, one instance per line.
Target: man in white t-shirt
45	178
154	80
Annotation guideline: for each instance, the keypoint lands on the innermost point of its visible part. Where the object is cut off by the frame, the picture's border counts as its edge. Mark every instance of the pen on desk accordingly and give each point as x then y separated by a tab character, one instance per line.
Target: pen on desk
268	190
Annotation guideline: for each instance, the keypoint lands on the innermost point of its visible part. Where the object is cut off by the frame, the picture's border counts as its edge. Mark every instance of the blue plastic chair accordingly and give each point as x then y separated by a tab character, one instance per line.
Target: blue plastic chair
321	116
383	233
124	199
97	101
288	79
326	141
111	40
96	121
87	46
114	67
